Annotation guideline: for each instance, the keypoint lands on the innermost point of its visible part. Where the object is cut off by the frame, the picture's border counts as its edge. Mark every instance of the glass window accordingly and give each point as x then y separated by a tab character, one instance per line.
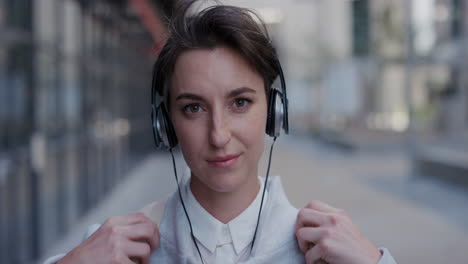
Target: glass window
2	12
19	13
18	79
15	72
3	100
70	71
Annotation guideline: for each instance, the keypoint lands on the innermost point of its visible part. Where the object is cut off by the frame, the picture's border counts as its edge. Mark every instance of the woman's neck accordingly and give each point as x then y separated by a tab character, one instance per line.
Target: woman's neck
225	206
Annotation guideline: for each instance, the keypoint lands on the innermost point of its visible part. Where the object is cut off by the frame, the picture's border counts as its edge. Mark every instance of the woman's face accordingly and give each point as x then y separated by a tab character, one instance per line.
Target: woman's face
218	108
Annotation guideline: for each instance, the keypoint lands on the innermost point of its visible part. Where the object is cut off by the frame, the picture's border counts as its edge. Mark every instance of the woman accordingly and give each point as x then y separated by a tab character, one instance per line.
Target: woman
214	97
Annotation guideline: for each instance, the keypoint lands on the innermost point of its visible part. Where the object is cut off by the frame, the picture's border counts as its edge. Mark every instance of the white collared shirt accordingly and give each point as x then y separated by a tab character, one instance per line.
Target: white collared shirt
276	244
219	242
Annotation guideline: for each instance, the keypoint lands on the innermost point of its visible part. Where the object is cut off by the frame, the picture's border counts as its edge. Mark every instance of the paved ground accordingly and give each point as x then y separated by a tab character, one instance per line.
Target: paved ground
420	220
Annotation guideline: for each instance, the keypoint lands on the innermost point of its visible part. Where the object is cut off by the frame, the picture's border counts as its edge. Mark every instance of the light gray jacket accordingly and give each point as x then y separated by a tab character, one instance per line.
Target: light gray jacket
275	242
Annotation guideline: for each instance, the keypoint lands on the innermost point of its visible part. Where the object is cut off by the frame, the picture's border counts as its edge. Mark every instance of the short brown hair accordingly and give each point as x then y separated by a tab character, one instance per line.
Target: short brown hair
218	25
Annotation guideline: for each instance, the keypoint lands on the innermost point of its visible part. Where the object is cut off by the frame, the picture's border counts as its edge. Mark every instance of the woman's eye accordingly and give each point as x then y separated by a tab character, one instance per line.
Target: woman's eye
192	108
241	102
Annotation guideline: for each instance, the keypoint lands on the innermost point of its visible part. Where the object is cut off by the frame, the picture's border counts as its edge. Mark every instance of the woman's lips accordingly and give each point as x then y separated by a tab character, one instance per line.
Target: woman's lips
224	162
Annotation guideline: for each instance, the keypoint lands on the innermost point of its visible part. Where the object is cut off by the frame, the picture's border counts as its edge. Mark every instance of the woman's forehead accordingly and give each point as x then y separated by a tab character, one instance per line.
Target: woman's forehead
220	69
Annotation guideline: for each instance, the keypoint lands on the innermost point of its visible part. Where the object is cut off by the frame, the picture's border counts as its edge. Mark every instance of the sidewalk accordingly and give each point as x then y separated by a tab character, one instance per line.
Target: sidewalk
419	220
443	161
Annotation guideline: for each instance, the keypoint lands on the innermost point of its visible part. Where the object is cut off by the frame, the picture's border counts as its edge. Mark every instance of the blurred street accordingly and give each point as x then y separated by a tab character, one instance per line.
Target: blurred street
420	220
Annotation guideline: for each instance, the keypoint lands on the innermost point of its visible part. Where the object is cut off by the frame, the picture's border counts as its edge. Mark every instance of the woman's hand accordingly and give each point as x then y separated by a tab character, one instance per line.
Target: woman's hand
325	233
121	239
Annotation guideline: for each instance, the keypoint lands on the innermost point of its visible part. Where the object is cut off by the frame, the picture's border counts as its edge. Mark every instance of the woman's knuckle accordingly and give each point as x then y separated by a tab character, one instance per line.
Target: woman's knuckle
334	219
107	233
300	233
302	213
114	244
343	213
151	228
109	221
142	216
324	247
116	259
139	214
312	204
146	249
114	231
328	232
148	231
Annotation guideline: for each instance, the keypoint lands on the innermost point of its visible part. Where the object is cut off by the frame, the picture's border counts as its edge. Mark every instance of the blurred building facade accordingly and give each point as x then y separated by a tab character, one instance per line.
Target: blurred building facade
74	113
409	62
377	73
383	66
450	53
309	36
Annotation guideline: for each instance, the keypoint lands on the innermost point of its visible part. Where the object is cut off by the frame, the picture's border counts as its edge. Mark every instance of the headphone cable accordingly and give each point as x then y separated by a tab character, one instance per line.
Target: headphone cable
183	205
259	211
263	194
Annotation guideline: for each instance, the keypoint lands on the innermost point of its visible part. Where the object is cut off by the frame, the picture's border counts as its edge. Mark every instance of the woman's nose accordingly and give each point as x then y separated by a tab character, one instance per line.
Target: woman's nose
220	133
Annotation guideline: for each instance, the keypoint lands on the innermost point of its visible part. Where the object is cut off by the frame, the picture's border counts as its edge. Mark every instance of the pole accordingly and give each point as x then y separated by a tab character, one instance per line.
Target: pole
409	65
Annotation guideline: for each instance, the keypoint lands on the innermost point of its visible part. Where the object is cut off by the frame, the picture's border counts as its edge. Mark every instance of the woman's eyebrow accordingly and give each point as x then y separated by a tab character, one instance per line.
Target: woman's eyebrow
233	93
190	96
240	90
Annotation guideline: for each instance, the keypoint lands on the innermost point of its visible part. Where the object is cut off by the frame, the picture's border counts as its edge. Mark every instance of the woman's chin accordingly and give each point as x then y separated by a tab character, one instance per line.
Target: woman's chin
225	182
225	185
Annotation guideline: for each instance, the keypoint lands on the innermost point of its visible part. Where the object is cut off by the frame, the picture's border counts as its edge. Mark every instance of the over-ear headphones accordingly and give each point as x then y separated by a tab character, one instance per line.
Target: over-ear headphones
277	115
163	130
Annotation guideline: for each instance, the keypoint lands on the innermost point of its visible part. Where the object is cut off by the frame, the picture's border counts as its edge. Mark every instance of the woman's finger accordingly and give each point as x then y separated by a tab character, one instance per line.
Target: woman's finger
147	232
129	219
309	236
138	251
310	217
323	207
317	253
312	256
135	260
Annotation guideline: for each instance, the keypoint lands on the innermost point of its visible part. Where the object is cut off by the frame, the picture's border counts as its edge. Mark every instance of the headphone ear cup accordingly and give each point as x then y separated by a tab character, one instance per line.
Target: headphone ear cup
154	126
270	124
163	131
169	128
154	121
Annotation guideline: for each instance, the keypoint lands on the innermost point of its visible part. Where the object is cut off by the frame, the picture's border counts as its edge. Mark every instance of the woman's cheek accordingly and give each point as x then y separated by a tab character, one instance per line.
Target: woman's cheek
253	131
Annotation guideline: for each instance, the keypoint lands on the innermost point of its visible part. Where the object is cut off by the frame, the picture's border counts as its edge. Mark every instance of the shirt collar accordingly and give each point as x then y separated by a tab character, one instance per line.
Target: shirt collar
243	226
210	232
